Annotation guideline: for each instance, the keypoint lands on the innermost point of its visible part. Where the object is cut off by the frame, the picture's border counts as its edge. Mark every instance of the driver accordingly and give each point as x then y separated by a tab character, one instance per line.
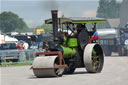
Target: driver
95	36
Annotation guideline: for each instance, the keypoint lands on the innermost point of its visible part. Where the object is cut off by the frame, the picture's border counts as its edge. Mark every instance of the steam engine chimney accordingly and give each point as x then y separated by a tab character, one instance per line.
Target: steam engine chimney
55	24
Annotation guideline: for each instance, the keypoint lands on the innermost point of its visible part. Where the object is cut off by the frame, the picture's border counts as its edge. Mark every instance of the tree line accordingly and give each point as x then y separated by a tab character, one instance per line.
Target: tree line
108	9
10	21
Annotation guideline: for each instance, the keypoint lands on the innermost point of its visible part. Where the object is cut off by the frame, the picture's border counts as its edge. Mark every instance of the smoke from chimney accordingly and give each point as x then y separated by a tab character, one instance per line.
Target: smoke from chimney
49	5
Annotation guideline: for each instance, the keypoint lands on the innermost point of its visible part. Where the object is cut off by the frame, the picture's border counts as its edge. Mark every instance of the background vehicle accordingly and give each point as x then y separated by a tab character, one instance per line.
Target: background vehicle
9	52
39	31
123	47
114	40
33	38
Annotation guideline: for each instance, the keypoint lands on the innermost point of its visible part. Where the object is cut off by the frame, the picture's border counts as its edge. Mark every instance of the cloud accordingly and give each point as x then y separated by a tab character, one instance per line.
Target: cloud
60	13
34	23
89	13
50	0
28	22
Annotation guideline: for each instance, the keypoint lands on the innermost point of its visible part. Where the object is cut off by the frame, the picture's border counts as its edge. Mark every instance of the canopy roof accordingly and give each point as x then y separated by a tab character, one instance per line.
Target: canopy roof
77	20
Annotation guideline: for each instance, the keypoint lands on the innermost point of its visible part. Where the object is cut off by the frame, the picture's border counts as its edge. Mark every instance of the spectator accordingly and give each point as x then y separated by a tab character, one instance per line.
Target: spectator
25	45
19	46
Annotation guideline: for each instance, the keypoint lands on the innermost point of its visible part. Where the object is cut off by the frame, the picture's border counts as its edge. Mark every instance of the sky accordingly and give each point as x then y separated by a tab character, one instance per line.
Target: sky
34	12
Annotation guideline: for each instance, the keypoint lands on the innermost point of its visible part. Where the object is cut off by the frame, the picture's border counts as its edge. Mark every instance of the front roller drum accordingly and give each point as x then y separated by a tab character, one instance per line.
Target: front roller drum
47	66
93	58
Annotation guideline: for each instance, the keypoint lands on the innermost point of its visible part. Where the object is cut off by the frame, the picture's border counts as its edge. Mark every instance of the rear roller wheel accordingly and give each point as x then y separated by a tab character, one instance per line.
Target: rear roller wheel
45	67
93	58
70	68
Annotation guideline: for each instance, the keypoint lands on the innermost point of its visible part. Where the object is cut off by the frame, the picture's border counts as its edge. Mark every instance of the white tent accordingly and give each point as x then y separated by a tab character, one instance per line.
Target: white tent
10	39
4	38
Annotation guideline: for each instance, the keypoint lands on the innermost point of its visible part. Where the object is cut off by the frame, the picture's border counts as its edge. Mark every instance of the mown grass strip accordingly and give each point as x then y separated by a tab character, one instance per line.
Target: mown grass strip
15	64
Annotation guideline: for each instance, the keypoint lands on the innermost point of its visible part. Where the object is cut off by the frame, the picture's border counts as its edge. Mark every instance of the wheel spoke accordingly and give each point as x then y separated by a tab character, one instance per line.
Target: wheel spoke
93	52
97	56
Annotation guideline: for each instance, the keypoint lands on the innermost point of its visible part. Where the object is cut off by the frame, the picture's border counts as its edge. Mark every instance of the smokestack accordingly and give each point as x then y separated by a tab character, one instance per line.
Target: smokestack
55	24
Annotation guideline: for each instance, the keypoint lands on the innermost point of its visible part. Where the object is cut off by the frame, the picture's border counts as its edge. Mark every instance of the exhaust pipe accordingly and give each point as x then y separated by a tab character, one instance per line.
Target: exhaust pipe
55	24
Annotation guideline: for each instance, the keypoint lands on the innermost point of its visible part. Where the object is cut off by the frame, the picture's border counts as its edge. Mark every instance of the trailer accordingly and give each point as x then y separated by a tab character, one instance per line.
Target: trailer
114	40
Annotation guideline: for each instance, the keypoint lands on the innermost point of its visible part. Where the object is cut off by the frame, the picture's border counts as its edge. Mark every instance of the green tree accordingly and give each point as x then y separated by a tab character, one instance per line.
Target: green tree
108	9
11	22
47	27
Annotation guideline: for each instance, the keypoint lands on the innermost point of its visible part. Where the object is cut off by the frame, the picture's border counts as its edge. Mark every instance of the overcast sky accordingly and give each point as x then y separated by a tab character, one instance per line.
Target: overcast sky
34	12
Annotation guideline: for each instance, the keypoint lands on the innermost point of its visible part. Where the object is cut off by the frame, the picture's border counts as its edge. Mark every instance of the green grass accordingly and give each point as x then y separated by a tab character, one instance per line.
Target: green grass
16	64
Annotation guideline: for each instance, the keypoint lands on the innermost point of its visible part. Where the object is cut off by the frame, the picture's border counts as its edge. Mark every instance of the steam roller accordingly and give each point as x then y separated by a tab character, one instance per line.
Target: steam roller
69	49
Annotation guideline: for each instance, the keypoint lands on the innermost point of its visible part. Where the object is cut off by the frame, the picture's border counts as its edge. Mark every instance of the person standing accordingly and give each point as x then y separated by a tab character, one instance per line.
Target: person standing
19	46
25	45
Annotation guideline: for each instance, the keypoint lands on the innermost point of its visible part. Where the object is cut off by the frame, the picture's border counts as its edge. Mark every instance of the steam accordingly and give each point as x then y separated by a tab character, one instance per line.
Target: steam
69	8
49	5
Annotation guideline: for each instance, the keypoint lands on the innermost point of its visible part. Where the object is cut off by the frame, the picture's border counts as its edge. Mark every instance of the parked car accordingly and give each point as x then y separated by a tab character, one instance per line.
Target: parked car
9	52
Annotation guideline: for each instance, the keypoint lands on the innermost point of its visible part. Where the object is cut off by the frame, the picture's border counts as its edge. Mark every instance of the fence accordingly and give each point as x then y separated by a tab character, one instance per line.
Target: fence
25	57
